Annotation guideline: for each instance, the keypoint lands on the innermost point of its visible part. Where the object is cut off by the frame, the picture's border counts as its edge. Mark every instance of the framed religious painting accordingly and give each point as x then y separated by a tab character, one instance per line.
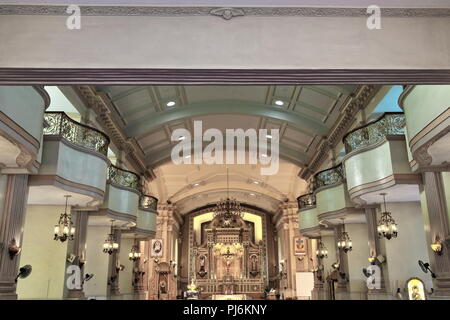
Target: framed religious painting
416	289
299	246
156	249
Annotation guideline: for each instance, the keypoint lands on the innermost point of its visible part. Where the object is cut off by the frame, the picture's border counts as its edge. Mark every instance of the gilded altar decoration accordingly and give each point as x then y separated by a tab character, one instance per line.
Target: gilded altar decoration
416	289
228	261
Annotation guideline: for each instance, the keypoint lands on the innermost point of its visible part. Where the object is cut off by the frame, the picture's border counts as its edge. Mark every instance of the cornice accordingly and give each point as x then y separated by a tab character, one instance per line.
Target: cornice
358	101
110	124
226	13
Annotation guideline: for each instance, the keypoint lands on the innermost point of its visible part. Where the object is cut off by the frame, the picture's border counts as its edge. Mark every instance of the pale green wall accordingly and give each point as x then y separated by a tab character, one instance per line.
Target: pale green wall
97	261
45	255
423	104
378	163
308	218
25	106
126	276
357	259
332	199
120	200
146	220
73	165
403	252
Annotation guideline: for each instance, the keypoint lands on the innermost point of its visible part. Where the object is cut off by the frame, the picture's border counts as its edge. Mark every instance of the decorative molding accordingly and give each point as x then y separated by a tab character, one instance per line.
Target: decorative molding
107	120
109	76
341	126
383	183
59	182
162	11
227	13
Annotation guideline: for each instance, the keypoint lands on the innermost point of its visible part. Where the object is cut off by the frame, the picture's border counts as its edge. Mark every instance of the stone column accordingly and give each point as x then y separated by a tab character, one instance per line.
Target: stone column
287	228
374	251
139	267
113	272
11	229
318	290
77	247
167	228
437	224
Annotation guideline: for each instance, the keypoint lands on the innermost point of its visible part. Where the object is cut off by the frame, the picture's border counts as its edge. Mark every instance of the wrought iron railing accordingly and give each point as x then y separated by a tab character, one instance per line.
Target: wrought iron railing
390	123
306	200
123	177
60	124
148	202
329	177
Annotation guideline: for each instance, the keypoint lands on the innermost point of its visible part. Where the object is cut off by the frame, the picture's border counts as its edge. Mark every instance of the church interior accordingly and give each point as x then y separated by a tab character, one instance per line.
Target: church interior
224	150
94	207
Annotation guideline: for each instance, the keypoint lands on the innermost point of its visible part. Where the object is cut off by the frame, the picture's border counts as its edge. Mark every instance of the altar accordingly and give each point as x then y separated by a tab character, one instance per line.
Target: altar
228	264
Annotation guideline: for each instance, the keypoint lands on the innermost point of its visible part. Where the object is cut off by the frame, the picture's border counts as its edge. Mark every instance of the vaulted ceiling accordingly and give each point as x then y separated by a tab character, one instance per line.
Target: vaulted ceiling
303	114
304	118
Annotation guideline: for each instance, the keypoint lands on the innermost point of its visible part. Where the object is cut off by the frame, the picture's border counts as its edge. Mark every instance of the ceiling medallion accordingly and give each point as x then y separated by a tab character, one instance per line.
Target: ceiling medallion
227	13
229	207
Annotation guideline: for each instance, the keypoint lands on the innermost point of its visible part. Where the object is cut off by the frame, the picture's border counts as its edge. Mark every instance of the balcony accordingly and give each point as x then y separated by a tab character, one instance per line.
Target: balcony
146	217
377	161
332	199
121	199
73	162
21	112
307	216
427	111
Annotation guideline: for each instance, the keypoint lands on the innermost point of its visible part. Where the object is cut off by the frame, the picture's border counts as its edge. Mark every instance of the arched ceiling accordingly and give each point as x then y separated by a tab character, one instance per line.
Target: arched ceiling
304	118
193	186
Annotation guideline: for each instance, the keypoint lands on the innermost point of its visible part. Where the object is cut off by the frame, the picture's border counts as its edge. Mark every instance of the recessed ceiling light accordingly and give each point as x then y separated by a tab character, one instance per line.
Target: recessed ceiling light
279	102
268	136
196	184
188	156
181	138
170	103
252	194
264	155
256	182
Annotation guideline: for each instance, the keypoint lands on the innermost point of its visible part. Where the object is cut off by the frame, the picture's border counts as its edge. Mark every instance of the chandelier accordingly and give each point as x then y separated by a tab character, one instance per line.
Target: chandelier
111	244
64	230
386	225
321	251
228	207
135	253
344	241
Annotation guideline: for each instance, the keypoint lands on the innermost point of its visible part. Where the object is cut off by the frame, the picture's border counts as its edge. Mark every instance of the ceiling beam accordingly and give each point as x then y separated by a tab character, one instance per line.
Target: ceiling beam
149	123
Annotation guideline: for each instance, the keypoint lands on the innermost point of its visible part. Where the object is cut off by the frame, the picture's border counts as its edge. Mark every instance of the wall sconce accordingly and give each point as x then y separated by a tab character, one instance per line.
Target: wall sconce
372	260
13	249
436	246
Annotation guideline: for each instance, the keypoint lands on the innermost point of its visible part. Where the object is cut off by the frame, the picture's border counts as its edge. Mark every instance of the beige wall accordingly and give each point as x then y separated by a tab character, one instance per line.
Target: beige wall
357	259
212	42
45	255
403	252
97	262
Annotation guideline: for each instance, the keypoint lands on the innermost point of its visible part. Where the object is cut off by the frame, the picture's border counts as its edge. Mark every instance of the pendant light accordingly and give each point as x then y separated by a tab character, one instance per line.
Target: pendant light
64	230
387	227
135	253
110	246
344	242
